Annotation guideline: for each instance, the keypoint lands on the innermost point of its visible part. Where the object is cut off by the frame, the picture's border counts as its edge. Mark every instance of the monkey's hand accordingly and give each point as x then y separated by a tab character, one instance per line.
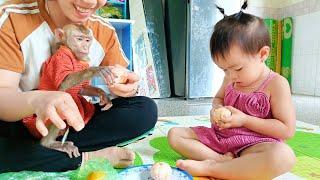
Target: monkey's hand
95	91
104	100
106	74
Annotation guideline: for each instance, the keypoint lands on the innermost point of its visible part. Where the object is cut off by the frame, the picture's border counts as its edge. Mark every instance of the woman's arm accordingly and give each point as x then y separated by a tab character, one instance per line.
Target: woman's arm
14	104
54	105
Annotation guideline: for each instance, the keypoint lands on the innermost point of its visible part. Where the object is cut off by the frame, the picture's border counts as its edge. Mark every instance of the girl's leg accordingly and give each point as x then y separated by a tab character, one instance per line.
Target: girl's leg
261	161
185	142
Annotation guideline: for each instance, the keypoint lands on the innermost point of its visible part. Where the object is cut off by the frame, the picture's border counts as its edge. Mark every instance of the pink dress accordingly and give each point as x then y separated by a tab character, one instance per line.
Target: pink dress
237	139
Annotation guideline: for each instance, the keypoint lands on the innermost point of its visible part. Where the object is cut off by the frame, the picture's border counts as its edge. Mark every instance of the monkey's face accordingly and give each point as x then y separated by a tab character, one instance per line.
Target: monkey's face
79	11
79	43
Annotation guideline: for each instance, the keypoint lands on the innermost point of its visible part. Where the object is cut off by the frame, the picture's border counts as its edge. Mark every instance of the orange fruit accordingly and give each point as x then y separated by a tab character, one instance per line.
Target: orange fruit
97	175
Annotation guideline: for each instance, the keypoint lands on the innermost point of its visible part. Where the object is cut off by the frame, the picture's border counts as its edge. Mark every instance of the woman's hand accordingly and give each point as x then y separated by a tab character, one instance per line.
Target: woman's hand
237	119
58	107
129	89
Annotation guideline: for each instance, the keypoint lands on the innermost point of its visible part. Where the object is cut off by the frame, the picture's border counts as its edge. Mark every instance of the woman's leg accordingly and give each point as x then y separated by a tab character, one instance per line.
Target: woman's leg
261	161
185	142
128	118
19	151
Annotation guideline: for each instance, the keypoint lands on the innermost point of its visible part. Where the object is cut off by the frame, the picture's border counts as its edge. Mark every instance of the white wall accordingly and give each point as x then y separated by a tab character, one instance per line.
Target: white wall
306	56
306	39
273	3
306	50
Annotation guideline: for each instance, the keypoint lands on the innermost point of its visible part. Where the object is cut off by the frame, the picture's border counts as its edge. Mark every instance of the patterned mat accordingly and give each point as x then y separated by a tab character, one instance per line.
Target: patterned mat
153	146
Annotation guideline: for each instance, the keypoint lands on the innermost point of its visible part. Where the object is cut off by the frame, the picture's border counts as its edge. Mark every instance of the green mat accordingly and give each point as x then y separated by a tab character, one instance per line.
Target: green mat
155	148
306	147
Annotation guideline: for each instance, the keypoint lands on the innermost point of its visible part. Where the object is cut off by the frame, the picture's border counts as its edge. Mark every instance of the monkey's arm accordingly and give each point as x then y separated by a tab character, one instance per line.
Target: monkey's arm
91	91
94	91
51	137
76	78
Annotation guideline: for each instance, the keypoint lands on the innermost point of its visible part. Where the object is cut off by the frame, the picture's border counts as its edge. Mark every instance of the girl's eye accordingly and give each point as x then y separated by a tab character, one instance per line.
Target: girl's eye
239	69
79	39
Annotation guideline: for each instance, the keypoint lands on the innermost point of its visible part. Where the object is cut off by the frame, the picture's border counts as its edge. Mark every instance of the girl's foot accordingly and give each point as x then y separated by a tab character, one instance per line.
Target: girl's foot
226	157
196	168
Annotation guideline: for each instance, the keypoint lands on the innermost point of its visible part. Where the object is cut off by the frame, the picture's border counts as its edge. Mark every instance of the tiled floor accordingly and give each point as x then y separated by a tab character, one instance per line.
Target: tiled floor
307	107
182	107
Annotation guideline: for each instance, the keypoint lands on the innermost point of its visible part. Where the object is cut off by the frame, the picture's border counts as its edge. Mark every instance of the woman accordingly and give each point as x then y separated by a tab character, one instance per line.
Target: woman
26	28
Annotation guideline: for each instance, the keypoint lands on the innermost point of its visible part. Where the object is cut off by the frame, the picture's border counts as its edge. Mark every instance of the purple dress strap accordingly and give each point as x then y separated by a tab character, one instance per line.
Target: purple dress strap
266	81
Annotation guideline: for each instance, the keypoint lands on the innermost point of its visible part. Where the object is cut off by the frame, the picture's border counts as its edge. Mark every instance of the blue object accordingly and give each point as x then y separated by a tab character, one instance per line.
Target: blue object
143	173
124	32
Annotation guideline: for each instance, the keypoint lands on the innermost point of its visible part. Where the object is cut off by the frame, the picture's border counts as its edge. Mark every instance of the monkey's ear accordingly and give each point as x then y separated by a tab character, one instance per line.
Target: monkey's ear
59	34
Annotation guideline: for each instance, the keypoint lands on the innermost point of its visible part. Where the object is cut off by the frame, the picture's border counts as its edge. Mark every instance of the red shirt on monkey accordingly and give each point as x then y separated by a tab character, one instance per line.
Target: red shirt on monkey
54	71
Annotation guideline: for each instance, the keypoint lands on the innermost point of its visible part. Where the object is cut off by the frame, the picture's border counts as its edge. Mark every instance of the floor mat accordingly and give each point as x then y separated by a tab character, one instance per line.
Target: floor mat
155	148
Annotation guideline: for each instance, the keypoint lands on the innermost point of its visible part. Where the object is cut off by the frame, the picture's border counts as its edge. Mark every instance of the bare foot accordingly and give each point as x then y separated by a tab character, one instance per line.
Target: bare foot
118	157
196	168
67	147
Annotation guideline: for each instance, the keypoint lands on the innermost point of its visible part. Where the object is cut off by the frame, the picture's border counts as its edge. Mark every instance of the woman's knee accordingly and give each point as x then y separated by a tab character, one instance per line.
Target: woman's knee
147	113
149	106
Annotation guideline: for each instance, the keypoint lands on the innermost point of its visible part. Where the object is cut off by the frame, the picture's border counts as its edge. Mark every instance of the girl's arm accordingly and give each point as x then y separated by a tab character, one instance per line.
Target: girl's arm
283	124
218	98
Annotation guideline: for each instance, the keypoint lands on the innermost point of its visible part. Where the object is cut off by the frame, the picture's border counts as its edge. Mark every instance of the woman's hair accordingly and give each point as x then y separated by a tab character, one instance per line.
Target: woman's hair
247	31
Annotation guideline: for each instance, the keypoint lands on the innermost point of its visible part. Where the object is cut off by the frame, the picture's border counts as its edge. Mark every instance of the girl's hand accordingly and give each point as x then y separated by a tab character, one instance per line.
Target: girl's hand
57	106
213	118
237	119
129	89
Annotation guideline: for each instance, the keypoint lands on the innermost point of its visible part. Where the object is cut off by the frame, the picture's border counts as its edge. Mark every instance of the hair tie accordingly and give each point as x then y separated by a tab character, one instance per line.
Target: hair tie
243	7
221	10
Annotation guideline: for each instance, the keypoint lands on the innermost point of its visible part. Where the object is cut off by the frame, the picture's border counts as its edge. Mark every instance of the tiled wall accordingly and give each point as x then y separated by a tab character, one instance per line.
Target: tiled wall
306	54
305	62
306	41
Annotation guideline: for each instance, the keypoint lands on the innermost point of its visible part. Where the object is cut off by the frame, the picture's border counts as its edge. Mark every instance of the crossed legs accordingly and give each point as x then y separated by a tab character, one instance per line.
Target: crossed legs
261	161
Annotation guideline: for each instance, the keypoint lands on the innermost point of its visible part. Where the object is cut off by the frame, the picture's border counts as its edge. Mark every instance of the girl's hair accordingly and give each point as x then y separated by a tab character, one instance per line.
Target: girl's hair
247	31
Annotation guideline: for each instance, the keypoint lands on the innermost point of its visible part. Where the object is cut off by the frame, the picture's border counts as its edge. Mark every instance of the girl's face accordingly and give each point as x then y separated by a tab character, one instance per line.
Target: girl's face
79	11
241	68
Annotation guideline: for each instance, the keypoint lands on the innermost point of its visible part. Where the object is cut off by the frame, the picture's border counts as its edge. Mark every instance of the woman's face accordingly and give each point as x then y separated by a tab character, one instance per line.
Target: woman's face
79	11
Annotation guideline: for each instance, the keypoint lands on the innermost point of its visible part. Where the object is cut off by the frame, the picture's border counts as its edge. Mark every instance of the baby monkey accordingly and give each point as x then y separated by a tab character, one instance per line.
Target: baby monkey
68	70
